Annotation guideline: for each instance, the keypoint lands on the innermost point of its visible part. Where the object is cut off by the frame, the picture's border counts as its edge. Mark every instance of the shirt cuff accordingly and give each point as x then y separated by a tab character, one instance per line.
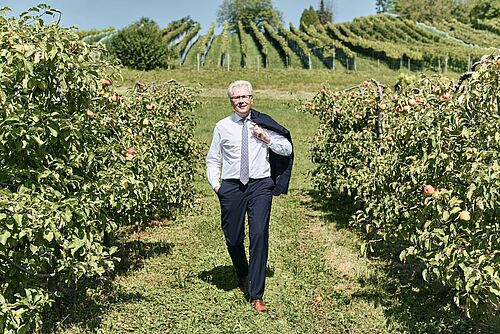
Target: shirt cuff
215	184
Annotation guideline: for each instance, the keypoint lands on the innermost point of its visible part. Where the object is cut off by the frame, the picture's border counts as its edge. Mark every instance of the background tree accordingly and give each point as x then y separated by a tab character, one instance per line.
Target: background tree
325	11
247	11
141	46
384	6
425	10
309	17
484	9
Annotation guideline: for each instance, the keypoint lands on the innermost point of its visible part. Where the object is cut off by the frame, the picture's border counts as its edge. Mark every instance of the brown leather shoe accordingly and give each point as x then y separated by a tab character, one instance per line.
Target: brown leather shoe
259	305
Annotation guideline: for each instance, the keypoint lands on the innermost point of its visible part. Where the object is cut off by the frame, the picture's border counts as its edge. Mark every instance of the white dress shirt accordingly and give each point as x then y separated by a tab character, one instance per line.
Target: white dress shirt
225	151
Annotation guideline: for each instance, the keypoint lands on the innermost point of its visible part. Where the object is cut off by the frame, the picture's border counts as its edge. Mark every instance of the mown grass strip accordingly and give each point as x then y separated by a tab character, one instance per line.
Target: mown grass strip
180	279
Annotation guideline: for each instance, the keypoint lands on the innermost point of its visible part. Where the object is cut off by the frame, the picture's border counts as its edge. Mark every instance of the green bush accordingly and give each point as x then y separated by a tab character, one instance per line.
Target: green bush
77	161
141	46
422	163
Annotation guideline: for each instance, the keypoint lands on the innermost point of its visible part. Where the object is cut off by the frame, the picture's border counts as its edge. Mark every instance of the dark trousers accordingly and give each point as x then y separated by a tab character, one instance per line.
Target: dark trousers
253	199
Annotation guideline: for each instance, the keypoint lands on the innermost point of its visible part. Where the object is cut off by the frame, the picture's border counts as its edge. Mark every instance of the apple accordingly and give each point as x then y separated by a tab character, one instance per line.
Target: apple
131	150
322	90
464	215
498	62
419	99
42	85
446	96
382	105
89	113
407	108
116	98
129	157
428	190
106	82
412	102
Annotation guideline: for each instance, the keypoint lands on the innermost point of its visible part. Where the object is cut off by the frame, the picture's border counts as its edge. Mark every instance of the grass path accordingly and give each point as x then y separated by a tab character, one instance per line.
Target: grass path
177	277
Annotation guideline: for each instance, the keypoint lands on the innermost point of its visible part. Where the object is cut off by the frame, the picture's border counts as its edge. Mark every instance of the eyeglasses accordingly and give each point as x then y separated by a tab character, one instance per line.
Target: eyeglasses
244	97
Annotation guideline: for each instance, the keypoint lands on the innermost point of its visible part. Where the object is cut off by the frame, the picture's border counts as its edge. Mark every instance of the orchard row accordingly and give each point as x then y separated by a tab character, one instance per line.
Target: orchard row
77	162
397	42
421	163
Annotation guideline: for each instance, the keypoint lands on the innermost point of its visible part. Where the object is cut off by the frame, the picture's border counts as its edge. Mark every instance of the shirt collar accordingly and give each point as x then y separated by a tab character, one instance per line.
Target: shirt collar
237	118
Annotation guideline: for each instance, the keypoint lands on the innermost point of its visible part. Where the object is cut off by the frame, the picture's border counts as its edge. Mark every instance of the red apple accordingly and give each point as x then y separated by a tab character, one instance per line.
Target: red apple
89	113
464	215
412	102
106	82
446	96
131	150
428	190
116	98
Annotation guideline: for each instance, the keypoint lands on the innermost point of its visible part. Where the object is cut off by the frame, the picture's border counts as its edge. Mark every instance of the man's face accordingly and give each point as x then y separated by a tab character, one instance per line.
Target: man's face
241	100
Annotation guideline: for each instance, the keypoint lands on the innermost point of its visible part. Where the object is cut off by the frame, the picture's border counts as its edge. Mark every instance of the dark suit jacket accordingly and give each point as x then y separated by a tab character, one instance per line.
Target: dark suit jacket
281	166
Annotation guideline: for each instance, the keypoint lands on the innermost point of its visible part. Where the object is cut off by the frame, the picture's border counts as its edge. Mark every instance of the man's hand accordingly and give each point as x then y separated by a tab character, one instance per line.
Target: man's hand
259	133
216	189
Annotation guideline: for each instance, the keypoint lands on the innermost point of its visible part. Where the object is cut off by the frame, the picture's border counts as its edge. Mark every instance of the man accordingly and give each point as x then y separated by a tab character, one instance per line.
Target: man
255	155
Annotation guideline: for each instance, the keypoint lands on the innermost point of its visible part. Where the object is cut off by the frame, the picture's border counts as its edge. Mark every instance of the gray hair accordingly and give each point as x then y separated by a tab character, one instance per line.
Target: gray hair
239	83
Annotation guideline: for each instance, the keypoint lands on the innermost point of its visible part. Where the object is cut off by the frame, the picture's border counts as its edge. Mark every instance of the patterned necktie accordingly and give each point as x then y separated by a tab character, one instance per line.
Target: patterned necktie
244	166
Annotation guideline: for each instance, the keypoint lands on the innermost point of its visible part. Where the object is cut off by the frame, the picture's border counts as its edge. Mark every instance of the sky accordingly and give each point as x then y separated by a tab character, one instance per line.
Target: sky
99	14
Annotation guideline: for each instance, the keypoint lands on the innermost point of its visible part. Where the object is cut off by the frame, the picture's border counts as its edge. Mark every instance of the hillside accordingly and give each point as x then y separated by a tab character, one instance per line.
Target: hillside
367	42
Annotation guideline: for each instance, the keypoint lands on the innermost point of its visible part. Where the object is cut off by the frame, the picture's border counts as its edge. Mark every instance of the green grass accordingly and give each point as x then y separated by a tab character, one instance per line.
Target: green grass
191	59
234	50
176	276
213	57
269	81
254	58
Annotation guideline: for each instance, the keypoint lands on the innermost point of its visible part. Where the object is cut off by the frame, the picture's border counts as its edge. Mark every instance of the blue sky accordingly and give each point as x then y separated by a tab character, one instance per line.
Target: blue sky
88	14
